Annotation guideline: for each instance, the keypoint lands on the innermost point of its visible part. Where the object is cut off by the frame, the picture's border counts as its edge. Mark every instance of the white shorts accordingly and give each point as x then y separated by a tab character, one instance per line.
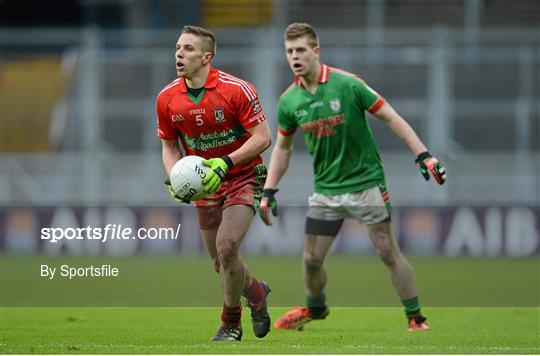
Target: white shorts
370	206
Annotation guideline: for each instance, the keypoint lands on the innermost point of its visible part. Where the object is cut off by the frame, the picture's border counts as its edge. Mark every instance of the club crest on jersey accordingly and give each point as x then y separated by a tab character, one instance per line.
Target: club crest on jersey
219	114
256	105
335	104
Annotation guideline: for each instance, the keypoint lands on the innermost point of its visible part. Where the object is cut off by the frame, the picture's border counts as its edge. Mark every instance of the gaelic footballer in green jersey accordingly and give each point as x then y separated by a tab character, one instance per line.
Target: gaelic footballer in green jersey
336	132
329	106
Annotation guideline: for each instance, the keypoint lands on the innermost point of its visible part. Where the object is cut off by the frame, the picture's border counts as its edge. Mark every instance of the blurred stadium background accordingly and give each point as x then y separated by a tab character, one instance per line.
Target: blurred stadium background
79	80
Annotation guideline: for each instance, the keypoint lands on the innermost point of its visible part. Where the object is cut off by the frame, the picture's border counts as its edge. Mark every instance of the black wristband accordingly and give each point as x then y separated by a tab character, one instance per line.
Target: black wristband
269	193
228	161
422	156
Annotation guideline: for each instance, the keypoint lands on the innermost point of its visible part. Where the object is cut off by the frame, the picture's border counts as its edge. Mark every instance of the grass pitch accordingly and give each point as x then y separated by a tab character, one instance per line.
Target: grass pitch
347	330
186	281
168	304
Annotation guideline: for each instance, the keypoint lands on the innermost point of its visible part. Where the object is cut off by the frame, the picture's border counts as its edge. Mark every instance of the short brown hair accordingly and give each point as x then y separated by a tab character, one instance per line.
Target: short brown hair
208	38
298	30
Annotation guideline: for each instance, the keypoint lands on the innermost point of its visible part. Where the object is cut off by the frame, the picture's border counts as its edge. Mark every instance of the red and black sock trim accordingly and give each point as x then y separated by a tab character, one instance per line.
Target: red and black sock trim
231	315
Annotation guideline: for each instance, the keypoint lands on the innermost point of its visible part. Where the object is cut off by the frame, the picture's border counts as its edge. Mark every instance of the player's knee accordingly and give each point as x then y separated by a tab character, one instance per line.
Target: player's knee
312	261
227	251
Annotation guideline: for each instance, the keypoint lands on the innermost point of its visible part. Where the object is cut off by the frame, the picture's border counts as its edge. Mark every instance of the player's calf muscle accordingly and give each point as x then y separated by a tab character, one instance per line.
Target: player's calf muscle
388	255
387	250
383	240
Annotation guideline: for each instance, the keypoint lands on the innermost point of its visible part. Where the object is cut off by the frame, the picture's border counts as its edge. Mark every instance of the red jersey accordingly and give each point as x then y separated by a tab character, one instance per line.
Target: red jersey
215	123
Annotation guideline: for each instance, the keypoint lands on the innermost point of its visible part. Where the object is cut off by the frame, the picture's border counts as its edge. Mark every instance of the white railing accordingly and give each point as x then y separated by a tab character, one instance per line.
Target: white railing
90	171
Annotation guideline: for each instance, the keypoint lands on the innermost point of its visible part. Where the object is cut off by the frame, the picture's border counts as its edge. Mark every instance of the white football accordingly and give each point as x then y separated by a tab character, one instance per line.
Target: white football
187	178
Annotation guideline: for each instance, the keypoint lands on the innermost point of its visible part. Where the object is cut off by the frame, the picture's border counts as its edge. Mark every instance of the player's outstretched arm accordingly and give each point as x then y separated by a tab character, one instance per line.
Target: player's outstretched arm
279	163
403	130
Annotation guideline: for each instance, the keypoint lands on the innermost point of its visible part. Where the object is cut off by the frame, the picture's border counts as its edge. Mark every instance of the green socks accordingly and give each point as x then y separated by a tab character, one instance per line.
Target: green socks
316	305
412	306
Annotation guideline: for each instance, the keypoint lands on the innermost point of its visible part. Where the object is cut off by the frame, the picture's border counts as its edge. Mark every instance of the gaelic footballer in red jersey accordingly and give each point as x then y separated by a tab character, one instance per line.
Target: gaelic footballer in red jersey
218	116
211	127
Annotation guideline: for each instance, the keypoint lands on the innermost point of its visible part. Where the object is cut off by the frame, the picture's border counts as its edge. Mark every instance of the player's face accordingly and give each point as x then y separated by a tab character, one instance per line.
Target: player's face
189	55
303	58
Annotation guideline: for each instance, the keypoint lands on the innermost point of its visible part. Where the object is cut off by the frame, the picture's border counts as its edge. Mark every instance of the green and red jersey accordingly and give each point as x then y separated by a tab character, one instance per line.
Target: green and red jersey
216	122
336	132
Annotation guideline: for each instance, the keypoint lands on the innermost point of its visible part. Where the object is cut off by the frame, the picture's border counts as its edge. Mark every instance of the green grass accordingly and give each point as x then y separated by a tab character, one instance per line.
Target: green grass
168	304
345	331
356	281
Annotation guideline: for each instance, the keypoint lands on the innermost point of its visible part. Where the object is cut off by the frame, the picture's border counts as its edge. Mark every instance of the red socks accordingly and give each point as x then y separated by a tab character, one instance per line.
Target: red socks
255	294
231	315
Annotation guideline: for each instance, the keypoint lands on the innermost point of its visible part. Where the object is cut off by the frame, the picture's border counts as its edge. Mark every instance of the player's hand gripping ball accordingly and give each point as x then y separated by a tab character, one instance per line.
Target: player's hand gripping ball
186	180
175	196
218	168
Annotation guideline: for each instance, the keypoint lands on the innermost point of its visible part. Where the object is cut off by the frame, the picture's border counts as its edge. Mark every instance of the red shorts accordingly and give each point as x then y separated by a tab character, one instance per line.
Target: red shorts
244	189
